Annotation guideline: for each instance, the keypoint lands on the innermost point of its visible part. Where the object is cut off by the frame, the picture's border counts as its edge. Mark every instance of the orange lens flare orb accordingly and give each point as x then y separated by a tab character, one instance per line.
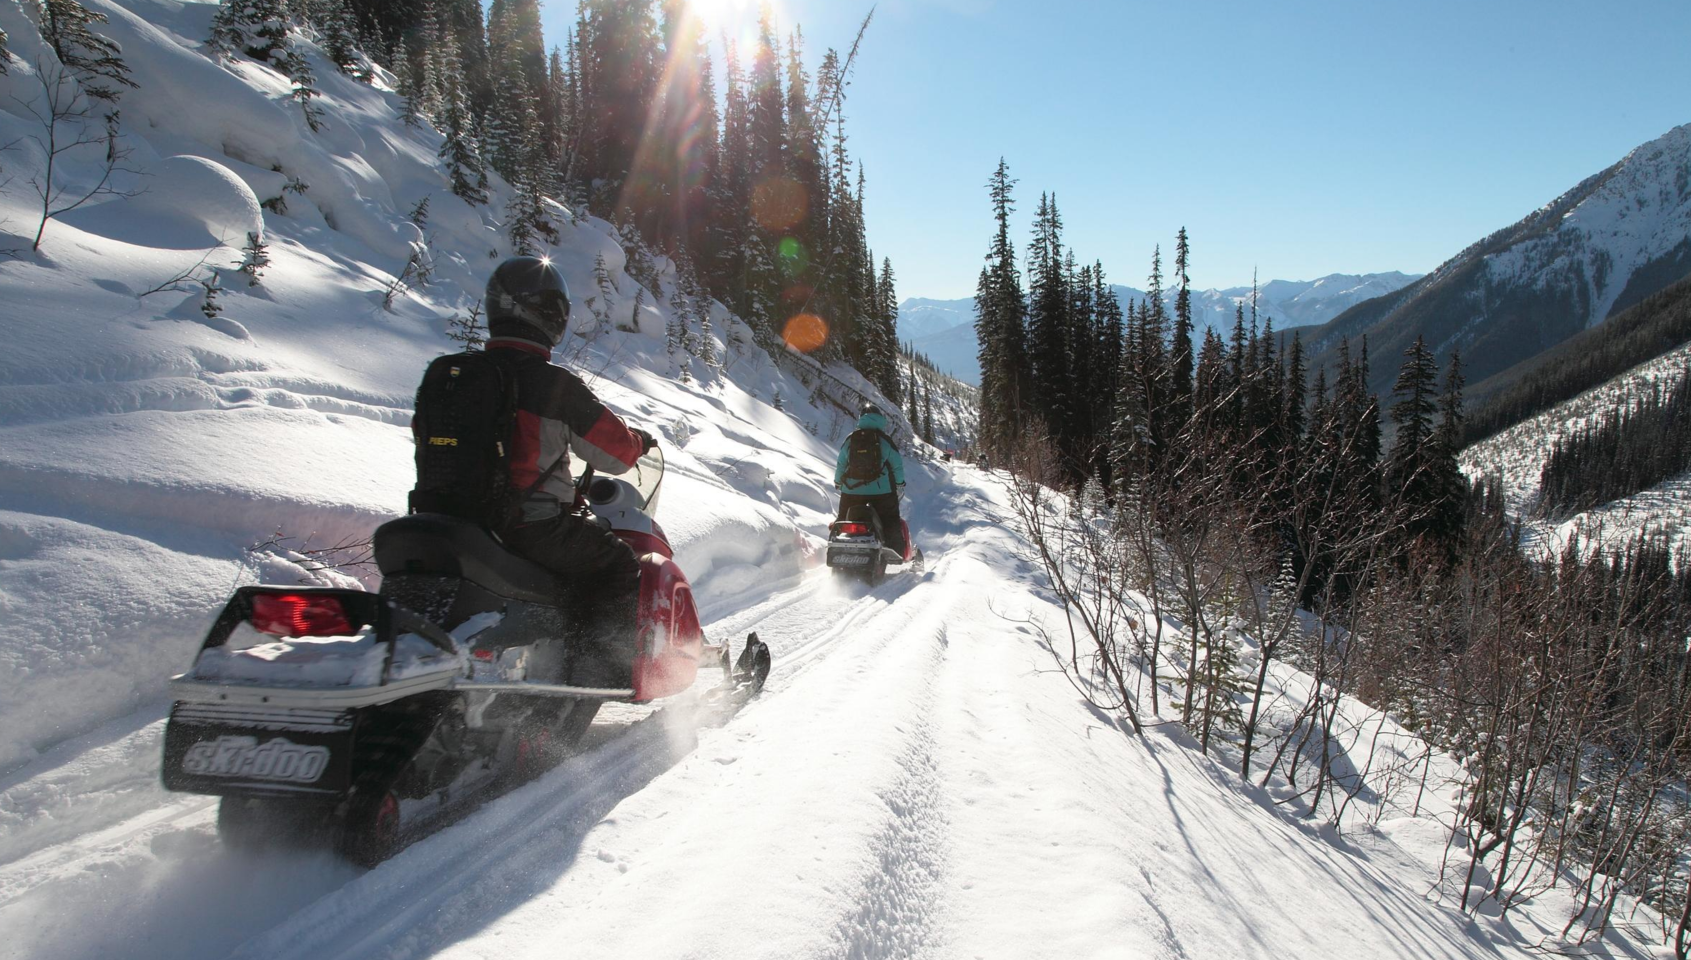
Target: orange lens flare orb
779	204
805	332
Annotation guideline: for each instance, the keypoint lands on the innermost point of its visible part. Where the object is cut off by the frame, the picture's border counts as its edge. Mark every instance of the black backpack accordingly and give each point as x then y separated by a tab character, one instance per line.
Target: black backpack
864	463
466	409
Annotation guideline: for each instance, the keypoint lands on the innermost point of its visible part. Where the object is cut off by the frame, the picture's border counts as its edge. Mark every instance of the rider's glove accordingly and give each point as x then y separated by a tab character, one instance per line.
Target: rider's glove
648	443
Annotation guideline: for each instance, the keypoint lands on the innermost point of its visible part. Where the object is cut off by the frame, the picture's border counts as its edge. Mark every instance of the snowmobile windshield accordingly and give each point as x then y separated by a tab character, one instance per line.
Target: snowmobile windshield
647	477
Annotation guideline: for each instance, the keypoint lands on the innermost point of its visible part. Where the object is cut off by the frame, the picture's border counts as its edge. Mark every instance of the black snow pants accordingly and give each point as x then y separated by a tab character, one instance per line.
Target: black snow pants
600	580
886	506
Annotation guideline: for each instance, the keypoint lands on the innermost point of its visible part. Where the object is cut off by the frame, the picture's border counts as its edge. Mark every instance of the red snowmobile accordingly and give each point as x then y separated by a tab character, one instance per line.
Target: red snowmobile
323	713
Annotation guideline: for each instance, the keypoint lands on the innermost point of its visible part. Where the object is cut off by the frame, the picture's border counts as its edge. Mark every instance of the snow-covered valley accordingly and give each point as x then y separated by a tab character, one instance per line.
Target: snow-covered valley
1516	458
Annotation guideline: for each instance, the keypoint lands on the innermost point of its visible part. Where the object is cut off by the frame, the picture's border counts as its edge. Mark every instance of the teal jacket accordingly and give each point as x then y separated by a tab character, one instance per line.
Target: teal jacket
891	476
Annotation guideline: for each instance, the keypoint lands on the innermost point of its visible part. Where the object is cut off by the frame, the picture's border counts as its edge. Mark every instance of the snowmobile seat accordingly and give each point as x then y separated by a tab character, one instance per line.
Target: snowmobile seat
435	544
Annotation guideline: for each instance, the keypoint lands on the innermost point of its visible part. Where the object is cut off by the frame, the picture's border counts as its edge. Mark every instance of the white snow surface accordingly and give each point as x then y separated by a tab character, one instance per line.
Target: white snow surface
917	780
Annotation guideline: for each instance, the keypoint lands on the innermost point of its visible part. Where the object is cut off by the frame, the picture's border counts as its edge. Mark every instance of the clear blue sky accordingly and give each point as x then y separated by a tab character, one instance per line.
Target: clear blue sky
1298	139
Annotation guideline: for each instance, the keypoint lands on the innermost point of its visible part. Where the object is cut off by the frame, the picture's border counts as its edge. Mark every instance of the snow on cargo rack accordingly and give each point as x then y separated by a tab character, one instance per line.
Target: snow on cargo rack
366	651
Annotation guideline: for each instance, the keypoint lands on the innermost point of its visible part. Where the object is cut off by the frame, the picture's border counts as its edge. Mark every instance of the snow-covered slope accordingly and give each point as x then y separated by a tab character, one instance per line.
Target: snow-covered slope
1619	236
915	781
1516	457
944	329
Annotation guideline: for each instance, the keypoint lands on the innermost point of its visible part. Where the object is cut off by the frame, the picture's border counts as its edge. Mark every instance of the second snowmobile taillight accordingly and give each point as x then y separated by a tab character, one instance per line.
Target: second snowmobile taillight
852	529
299	615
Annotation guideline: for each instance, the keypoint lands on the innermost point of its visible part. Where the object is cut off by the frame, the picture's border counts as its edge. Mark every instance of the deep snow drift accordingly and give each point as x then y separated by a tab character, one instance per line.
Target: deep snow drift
915	781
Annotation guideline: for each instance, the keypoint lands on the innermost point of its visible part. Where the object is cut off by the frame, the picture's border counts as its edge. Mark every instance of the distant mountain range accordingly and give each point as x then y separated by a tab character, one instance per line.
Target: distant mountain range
944	329
1616	238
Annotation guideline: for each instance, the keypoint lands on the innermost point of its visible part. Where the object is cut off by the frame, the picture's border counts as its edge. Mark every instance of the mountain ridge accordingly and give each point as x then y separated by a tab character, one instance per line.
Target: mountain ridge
1600	247
935	327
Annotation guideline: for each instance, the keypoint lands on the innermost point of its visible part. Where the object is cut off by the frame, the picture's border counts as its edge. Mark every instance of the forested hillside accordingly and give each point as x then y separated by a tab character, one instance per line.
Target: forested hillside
1589	359
1212	485
750	189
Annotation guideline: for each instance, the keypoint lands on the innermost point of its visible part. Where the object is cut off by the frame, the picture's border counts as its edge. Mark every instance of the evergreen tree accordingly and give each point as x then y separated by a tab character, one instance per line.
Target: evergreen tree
95	62
884	363
1450	499
1410	468
733	194
1154	369
766	125
460	150
262	30
928	412
1048	307
804	148
1180	351
338	27
1293	411
256	28
255	256
621	81
915	388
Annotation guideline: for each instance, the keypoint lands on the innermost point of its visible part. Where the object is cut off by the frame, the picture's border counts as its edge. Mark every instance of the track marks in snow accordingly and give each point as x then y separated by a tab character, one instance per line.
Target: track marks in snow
1170	939
896	908
504	854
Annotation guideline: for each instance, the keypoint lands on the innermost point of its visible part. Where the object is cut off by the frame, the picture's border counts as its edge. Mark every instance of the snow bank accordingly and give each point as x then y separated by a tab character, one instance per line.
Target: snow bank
186	203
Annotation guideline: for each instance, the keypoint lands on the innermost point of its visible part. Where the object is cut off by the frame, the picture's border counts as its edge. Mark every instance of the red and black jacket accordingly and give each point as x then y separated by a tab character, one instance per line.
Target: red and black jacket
557	415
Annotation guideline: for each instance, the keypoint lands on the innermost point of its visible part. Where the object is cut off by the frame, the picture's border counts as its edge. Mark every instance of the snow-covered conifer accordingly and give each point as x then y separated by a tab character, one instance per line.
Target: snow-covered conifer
263	30
928	412
256	28
209	304
339	31
95	62
255	256
469	330
419	214
460	150
634	315
600	302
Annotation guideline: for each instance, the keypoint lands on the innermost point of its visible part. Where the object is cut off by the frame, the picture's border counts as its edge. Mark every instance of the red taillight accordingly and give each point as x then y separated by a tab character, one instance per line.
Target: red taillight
852	529
482	654
299	615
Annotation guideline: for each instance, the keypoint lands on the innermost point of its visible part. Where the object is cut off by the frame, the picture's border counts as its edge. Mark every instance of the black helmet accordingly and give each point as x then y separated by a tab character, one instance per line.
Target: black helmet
868	408
527	299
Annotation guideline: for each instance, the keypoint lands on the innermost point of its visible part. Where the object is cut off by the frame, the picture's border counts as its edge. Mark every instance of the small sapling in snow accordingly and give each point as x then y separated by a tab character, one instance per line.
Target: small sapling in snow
255	256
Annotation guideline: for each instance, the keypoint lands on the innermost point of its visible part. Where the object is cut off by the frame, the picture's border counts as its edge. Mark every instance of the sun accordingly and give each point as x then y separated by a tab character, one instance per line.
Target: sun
723	14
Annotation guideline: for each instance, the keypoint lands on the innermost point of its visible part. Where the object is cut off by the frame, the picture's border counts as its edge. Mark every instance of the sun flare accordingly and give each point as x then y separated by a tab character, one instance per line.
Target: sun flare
726	15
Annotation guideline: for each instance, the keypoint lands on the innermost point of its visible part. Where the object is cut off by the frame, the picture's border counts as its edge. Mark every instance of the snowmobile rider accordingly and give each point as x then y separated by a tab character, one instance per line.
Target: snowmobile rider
870	473
528	308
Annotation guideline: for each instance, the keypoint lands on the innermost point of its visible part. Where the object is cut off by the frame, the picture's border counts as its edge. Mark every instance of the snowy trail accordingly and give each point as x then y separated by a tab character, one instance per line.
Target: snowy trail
916	781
